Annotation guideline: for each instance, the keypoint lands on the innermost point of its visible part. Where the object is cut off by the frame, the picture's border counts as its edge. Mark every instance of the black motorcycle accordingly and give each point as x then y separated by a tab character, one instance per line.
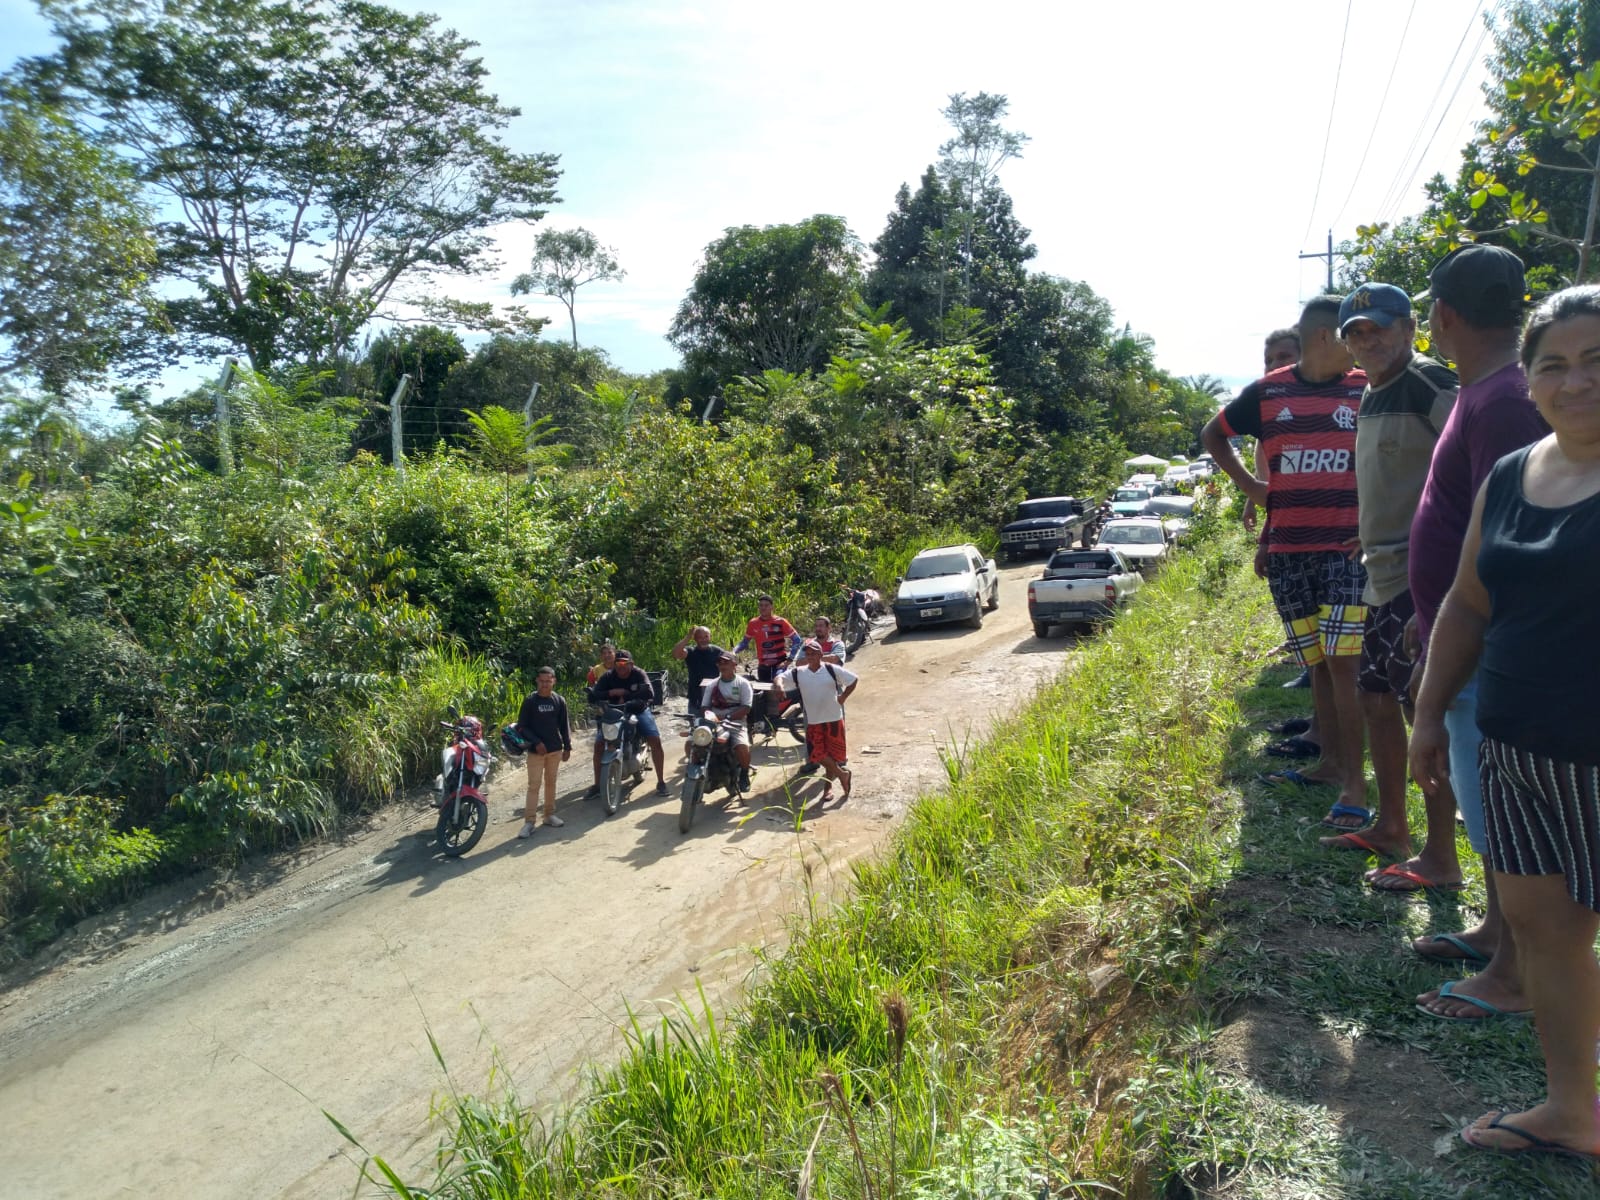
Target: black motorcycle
712	765
622	752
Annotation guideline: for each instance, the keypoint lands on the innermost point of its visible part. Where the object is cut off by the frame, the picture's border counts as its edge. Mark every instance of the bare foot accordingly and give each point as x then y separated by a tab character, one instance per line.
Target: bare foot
1538	1129
1482	987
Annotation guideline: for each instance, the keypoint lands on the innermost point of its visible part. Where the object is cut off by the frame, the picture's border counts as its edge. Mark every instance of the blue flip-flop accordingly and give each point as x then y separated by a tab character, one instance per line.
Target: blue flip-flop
1468	954
1291	777
1447	991
1348	810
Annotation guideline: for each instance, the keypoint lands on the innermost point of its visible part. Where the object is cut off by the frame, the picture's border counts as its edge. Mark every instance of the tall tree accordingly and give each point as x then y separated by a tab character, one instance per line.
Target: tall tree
75	251
971	162
565	260
771	298
316	157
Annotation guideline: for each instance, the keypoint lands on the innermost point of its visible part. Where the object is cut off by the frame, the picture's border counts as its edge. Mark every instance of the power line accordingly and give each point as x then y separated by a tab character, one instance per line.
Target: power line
1394	195
1377	120
1327	136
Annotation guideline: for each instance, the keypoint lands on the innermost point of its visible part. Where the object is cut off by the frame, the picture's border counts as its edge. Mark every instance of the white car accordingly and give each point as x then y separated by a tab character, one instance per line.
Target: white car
947	583
1140	540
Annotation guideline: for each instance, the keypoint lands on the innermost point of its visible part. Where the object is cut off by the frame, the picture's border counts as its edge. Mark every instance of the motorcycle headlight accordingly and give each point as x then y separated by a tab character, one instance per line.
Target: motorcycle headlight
612	730
703	735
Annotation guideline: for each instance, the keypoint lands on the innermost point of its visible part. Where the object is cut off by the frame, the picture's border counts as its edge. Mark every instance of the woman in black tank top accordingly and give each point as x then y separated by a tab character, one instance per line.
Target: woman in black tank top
1524	601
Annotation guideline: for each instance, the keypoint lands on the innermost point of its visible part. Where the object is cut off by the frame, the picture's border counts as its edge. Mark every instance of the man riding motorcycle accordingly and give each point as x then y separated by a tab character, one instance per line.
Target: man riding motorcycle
625	684
728	699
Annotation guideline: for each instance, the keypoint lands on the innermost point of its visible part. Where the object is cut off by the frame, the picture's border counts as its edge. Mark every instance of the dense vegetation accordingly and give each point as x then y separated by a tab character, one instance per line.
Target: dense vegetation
220	634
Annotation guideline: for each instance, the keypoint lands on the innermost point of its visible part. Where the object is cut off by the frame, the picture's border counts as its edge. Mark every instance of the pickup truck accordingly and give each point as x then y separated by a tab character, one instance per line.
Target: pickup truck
947	583
1046	523
1079	587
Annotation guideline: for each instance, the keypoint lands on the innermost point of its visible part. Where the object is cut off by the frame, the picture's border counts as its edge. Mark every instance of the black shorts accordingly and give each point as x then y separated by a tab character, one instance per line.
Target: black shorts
1385	666
1318	597
1542	817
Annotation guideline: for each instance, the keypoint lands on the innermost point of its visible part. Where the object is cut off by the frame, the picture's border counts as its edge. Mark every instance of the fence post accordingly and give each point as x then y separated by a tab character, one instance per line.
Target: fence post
397	444
224	418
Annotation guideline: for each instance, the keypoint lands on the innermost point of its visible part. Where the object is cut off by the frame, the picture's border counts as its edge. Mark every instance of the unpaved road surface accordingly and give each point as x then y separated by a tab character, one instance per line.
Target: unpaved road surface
188	1045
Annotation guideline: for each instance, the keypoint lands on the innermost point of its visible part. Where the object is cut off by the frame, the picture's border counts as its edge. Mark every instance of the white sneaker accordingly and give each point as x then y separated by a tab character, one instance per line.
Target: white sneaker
527	829
552	819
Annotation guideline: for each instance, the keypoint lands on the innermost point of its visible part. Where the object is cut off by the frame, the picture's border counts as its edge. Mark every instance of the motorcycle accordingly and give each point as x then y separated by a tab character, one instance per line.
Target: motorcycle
774	710
864	605
1092	527
623	752
463	812
712	765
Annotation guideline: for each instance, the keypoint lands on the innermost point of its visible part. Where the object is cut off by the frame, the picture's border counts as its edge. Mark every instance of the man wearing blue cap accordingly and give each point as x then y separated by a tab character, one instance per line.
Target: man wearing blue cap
1402	413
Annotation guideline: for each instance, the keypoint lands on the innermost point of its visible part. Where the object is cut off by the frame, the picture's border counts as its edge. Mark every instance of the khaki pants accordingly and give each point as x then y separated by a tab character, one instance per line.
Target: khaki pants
546	767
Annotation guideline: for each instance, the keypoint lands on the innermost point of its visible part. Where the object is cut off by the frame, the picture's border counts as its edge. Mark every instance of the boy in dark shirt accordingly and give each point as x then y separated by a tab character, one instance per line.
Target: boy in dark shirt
545	727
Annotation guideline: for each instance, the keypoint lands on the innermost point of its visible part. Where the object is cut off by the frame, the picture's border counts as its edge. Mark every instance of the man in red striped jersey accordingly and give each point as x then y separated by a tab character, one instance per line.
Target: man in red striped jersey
1305	417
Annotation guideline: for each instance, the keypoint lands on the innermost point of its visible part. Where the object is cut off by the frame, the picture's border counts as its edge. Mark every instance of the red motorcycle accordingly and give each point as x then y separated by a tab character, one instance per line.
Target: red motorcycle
463	812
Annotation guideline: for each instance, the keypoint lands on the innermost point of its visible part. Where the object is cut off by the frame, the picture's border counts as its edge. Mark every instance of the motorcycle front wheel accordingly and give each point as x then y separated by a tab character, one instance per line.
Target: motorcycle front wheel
611	787
794	721
693	790
456	837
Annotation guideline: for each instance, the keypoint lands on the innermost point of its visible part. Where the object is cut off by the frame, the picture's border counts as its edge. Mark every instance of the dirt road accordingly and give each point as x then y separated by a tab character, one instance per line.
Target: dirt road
187	1046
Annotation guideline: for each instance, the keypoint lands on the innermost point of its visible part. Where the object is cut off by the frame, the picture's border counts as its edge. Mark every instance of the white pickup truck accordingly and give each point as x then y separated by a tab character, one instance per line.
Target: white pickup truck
1081	587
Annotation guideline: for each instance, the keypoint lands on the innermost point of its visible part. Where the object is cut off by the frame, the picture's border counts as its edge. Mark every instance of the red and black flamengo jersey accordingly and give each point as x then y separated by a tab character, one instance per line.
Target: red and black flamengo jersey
1309	433
770	638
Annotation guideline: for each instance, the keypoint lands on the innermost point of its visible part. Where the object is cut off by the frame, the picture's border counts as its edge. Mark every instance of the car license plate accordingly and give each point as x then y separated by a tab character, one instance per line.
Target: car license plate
1033	545
930	612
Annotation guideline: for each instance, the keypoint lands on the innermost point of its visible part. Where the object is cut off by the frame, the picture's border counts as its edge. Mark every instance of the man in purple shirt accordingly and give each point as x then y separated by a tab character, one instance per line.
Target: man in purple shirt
1478	295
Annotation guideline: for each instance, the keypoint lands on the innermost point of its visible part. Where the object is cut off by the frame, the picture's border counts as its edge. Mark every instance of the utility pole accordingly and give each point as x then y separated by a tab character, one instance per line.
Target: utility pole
527	421
1327	254
224	419
397	437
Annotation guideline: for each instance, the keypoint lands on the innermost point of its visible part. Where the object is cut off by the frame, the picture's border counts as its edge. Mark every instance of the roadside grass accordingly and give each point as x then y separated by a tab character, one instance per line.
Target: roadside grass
987	1014
1306	1069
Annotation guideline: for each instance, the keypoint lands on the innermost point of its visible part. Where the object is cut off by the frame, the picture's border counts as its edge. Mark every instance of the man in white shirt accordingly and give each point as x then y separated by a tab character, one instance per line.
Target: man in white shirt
824	687
729	698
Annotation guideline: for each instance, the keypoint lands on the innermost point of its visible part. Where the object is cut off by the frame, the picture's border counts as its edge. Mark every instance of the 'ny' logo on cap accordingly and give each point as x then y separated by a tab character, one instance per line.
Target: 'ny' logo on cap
1362	299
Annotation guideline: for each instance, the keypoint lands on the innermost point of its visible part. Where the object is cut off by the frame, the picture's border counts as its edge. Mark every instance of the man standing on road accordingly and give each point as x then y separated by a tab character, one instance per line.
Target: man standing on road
625	684
544	727
1478	300
775	640
824	688
699	657
1403	411
1305	415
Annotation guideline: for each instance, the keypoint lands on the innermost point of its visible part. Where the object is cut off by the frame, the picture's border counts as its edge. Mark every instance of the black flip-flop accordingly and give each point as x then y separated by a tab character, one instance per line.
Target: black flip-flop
1536	1144
1294	747
1290	726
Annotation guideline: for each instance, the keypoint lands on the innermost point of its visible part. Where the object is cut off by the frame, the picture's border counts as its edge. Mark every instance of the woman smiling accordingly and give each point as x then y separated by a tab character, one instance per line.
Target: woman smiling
1523	602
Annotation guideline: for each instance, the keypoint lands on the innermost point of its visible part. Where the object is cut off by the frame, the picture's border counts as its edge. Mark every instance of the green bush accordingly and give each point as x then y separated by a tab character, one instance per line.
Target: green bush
63	858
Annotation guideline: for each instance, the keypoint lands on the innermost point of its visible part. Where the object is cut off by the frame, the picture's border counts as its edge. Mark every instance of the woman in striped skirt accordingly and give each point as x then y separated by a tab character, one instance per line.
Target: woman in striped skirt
1522	611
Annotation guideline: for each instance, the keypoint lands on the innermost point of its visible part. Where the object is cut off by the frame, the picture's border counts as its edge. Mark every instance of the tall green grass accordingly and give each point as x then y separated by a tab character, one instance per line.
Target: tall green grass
982	988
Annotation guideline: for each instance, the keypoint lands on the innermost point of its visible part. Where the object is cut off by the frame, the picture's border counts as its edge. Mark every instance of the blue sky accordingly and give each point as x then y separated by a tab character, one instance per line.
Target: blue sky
1173	164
